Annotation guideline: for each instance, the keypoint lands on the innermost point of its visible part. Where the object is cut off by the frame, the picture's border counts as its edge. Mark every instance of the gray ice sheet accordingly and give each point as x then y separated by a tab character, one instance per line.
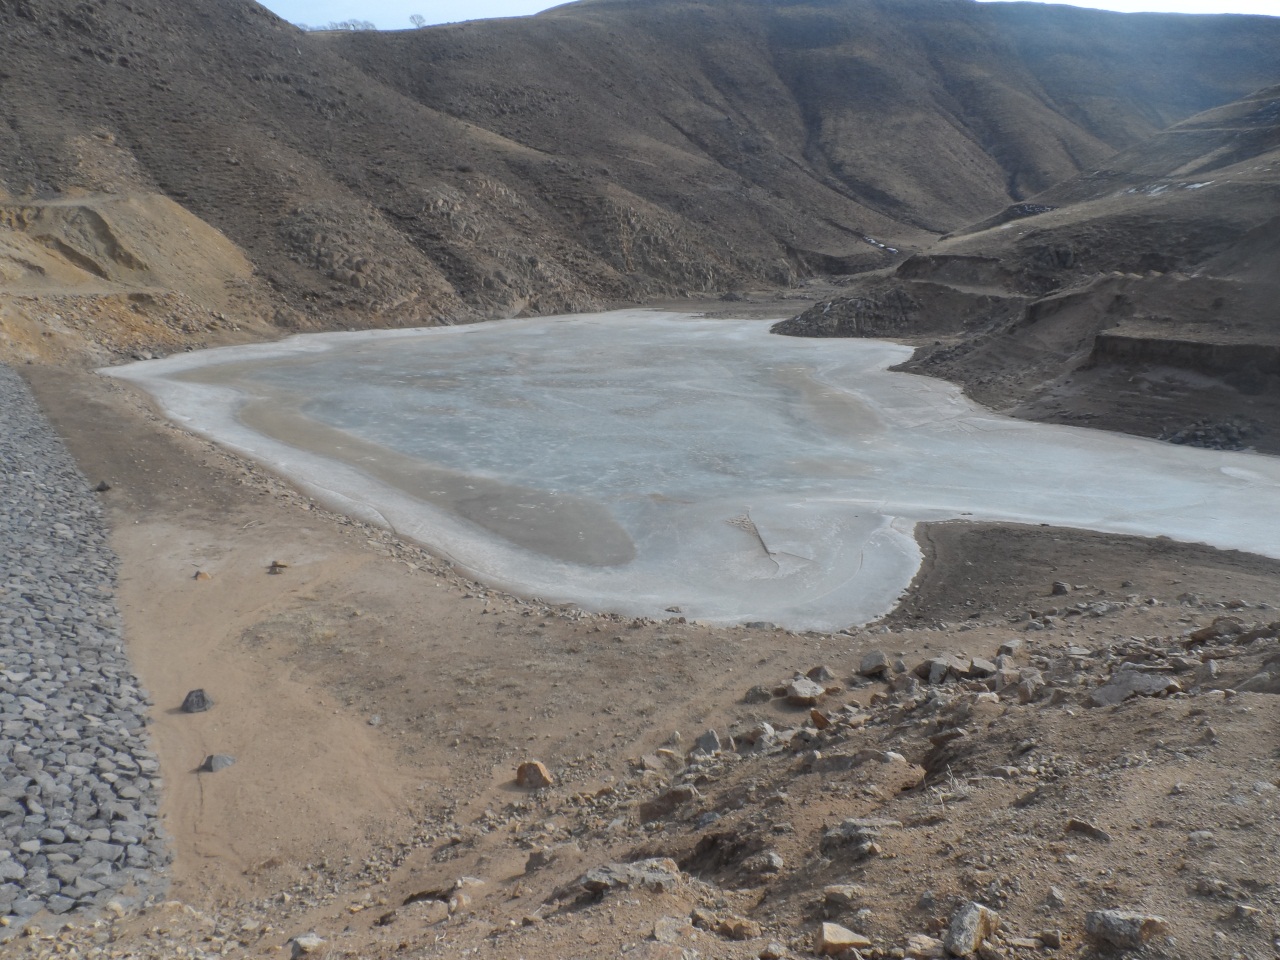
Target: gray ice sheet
635	461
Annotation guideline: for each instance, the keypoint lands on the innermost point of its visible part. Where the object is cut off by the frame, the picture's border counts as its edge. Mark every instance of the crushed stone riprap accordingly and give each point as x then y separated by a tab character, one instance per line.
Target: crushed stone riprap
79	783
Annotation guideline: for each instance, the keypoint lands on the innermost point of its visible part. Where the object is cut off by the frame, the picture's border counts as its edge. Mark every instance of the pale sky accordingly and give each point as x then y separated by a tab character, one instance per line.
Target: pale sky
394	14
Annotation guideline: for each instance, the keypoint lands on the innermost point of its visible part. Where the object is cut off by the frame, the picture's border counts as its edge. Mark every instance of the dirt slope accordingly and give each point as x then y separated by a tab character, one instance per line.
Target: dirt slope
597	152
1139	296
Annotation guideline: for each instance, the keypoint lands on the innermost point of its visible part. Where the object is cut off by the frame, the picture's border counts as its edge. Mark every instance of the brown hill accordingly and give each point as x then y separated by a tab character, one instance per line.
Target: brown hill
599	151
1139	296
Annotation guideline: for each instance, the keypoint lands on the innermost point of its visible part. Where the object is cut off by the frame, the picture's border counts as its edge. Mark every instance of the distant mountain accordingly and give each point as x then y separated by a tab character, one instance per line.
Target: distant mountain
605	150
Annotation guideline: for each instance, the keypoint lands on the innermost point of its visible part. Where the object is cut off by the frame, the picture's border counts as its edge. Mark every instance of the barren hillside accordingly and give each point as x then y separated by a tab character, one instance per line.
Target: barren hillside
1139	296
599	151
1060	744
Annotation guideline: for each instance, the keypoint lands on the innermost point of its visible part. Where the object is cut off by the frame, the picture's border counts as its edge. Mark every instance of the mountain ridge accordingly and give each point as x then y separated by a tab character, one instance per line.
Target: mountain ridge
594	153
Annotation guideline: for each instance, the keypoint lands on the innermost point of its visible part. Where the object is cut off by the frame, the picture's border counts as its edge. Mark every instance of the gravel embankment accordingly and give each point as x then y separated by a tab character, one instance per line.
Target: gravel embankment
79	784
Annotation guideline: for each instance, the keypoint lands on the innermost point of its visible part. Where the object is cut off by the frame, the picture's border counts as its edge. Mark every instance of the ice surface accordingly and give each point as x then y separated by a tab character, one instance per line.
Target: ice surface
635	461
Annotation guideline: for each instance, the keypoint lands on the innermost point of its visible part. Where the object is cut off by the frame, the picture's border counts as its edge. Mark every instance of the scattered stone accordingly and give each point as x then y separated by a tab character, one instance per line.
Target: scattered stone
759	734
708	744
1221	628
803	692
306	945
858	838
217	762
672	929
833	940
738	928
1132	683
533	775
970	925
822	674
196	701
1088	829
941	669
758	694
659	874
102	486
922	947
875	663
201	575
538	858
843	896
667	803
943	737
773	951
1060	588
1127	929
1268	681
980	668
276	567
1028	689
768	862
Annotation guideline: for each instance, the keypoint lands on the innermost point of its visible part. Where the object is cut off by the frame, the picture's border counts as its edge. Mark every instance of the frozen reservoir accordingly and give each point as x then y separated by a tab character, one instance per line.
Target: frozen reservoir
637	461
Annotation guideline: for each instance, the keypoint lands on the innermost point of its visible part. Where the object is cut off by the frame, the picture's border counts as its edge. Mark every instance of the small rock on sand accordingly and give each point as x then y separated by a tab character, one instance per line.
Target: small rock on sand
834	940
216	762
534	775
306	945
874	664
1132	683
1128	929
197	701
970	925
803	692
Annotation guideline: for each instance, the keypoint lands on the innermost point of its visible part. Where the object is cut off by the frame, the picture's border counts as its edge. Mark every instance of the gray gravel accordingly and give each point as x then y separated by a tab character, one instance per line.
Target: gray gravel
79	785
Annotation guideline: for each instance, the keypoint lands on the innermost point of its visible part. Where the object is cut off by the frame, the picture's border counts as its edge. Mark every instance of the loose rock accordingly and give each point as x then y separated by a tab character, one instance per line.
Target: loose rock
1132	683
834	939
1128	929
803	692
306	945
534	775
196	701
874	664
970	925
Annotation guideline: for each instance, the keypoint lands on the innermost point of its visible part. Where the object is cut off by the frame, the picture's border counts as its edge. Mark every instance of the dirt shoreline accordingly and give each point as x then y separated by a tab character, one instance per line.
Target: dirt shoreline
378	704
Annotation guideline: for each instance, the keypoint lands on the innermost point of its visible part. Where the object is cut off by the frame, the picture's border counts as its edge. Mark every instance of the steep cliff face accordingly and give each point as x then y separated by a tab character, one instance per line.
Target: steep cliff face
599	151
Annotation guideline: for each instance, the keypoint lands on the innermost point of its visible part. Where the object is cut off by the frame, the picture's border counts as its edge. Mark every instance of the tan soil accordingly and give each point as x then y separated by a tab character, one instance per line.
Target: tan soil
328	821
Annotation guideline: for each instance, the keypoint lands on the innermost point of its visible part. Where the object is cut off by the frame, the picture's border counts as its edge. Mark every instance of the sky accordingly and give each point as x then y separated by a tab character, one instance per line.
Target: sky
394	14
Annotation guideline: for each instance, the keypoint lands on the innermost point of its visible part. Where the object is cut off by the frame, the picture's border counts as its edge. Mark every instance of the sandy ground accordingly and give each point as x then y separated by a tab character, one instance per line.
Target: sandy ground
378	703
464	683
